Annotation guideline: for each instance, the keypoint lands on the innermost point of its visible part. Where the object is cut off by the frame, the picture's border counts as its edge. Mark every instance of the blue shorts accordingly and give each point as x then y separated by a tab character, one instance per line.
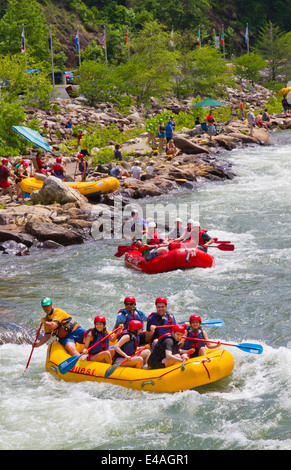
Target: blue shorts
76	336
152	254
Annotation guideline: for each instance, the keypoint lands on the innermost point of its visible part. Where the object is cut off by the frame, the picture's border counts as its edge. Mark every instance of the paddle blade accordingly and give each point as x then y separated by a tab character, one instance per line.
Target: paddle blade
68	364
222	247
250	347
110	371
213	323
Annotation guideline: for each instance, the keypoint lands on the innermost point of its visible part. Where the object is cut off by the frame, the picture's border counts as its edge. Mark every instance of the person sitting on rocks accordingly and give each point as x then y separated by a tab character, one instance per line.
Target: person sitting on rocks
149	168
119	172
171	149
136	170
20	172
58	169
118	153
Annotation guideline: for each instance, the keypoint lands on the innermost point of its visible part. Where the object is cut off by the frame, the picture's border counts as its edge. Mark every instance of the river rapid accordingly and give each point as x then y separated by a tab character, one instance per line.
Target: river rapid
249	289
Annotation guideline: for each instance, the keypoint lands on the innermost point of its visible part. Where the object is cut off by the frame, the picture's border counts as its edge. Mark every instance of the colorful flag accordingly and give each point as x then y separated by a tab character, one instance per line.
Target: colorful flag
77	41
22	40
172	37
222	38
50	41
246	35
126	37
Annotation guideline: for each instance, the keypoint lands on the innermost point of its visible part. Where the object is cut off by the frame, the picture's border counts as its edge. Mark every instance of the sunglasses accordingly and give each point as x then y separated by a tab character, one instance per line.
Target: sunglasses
128	303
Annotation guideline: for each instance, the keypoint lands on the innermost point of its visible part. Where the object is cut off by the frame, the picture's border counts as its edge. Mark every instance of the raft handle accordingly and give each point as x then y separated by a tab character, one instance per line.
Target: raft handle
147	382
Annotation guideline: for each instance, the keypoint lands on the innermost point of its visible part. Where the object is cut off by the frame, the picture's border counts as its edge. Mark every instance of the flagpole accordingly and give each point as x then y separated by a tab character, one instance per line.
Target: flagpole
223	45
79	47
105	45
248	42
52	55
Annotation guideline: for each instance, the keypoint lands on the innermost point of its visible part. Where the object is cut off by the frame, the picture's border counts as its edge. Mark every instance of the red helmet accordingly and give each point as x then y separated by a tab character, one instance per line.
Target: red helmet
134	325
161	300
4	160
195	318
58	159
178	329
80	155
100	318
129	299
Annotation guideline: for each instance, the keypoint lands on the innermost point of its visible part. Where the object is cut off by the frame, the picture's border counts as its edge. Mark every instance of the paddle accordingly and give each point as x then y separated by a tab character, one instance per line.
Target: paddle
246	347
223	247
69	363
186	358
33	346
214	323
220	241
111	369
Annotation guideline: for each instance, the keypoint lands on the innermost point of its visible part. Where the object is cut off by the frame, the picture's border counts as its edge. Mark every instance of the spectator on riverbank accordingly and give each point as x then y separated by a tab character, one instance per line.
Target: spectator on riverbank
5	173
171	149
210	121
251	121
136	170
242	109
118	153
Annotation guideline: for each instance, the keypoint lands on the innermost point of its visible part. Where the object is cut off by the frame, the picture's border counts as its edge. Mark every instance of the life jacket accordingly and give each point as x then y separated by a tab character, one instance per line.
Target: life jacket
97	336
130	346
194	334
155	240
159	350
129	316
166	320
83	165
64	320
4	171
201	231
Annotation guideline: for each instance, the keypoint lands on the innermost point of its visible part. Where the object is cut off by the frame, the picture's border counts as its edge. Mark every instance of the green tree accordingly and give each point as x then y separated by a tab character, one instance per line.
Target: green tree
248	66
11	114
28	13
210	73
150	69
275	47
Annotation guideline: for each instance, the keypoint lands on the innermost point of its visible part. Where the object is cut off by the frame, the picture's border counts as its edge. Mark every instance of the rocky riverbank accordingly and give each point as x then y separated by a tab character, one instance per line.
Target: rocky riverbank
23	226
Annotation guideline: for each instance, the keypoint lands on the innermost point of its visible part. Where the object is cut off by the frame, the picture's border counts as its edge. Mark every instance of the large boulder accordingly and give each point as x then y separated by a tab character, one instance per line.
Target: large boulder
54	190
56	233
187	146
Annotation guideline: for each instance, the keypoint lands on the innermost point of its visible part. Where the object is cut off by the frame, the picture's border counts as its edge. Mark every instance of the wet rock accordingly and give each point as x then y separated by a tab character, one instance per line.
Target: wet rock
187	146
11	247
59	234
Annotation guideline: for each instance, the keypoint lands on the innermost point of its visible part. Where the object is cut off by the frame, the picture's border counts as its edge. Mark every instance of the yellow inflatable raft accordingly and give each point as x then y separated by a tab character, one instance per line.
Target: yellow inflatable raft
198	371
90	189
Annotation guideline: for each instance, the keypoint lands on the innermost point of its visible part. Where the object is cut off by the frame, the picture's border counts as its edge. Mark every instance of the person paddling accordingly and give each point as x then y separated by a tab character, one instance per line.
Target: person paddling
166	350
60	323
198	235
129	312
101	352
128	343
192	331
160	318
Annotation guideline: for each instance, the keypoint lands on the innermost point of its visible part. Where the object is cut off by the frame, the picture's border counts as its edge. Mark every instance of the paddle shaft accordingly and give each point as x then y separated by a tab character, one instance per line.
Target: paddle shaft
247	347
111	369
33	346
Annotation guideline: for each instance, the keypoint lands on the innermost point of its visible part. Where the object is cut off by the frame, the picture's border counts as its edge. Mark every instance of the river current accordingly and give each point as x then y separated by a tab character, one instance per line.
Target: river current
248	288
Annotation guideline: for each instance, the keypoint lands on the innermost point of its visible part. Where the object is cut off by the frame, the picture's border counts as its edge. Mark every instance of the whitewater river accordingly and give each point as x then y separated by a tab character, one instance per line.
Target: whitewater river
249	289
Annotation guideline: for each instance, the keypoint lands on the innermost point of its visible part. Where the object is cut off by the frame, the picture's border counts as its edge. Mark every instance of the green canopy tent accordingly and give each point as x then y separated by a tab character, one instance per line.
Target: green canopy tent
208	102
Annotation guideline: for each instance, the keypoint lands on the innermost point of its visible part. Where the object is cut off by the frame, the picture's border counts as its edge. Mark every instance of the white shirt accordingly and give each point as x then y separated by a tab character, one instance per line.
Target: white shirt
136	170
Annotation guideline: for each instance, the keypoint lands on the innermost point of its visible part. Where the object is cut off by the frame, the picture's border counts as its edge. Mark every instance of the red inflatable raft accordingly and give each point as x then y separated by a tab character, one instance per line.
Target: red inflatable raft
179	258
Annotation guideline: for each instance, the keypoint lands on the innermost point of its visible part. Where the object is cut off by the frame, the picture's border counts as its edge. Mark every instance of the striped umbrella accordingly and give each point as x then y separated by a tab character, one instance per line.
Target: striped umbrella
33	136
